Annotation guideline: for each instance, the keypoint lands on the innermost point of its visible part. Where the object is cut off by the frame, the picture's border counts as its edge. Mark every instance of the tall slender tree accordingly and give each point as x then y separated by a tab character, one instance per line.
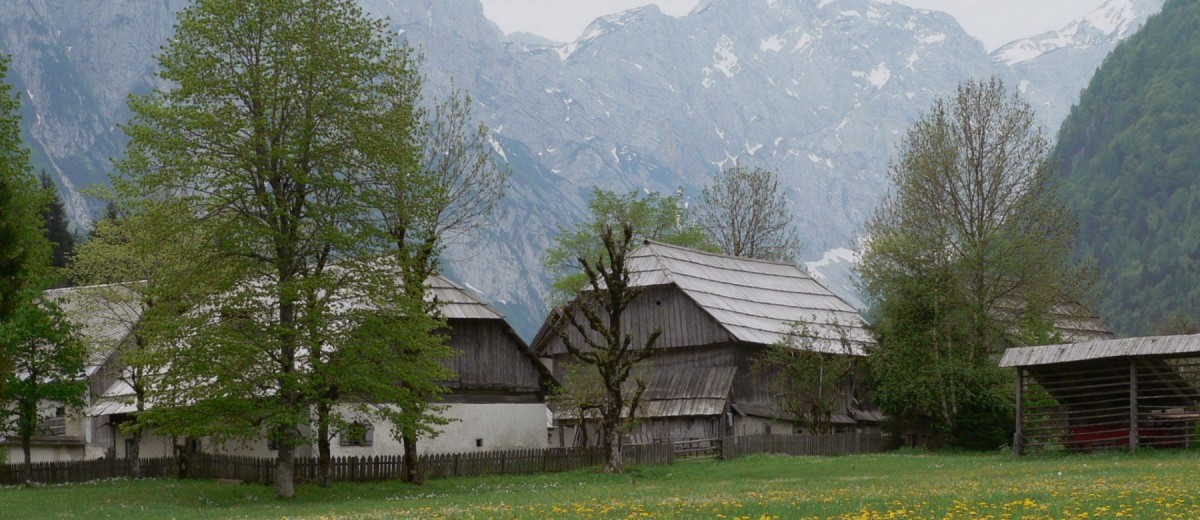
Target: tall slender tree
55	224
22	247
969	254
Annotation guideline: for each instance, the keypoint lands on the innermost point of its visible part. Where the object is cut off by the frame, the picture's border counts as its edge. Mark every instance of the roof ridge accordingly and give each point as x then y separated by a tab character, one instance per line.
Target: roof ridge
723	255
662	265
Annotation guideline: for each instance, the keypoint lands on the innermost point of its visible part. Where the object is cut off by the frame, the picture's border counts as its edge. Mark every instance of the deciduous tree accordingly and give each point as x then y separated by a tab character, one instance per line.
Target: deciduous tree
590	327
649	216
275	116
48	367
811	377
746	215
970	251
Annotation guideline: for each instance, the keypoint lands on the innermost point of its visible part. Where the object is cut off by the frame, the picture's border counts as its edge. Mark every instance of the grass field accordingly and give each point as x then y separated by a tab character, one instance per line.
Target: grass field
905	485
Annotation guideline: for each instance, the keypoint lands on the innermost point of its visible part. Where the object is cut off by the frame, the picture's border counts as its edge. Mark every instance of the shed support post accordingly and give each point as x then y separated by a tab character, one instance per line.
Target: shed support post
1133	405
1018	445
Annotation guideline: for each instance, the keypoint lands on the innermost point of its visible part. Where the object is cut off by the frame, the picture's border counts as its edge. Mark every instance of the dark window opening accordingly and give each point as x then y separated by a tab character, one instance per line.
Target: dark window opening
357	434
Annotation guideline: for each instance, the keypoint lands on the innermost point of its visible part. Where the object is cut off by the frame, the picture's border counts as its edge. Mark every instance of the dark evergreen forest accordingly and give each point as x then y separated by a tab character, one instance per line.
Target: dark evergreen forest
1129	163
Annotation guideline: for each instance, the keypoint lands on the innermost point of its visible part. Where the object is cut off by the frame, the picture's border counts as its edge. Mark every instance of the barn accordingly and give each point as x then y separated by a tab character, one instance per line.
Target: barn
1127	392
717	315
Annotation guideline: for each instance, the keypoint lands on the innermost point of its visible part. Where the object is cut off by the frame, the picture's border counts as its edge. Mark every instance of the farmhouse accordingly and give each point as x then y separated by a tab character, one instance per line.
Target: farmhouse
497	400
1106	393
105	316
717	315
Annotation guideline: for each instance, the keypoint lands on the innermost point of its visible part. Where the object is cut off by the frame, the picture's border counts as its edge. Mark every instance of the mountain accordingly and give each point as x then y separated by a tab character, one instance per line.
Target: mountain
1128	154
1052	67
818	90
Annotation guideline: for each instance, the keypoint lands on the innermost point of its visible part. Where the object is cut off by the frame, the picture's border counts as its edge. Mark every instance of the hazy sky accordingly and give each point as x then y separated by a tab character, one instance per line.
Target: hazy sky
995	22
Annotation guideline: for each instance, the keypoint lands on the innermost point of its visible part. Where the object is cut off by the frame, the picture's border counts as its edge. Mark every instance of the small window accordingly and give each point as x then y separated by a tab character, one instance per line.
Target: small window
478	443
357	434
60	411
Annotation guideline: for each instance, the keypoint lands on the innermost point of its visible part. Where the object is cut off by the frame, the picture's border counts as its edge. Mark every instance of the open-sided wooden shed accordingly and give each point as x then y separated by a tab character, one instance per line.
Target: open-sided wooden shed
717	315
1123	392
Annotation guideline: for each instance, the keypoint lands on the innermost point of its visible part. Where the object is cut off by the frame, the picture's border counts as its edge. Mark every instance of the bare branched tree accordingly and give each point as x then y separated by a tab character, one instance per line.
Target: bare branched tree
746	215
595	316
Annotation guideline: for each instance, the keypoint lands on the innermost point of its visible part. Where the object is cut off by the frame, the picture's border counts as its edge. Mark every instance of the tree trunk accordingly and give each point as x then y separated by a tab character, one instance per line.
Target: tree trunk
611	433
412	463
28	425
27	469
133	455
323	444
614	463
285	464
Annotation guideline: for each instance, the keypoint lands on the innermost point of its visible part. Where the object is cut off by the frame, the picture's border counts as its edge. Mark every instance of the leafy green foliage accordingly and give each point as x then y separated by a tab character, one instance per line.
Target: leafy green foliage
807	373
286	126
651	216
1128	158
969	255
23	250
48	366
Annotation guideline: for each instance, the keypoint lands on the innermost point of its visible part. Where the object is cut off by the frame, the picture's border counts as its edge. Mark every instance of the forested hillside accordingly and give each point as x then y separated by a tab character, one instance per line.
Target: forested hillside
1129	157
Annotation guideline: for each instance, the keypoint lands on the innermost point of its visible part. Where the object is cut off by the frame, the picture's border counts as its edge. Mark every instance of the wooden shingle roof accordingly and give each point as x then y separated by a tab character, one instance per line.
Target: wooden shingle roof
1092	350
695	392
756	301
104	315
457	302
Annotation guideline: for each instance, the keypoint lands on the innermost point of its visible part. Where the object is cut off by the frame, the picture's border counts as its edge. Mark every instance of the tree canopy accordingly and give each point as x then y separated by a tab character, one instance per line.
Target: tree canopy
969	254
746	215
270	152
1128	159
650	216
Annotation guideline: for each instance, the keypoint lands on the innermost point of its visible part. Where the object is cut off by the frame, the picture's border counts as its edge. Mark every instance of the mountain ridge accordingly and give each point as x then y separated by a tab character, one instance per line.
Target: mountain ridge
817	90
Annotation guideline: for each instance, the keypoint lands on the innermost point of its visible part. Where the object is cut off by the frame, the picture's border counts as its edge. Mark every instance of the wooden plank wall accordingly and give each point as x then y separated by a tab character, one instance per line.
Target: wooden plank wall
683	323
490	358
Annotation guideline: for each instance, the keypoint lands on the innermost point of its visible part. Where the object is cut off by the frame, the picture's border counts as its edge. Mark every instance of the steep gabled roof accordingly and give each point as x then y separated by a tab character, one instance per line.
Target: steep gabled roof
756	301
104	314
457	302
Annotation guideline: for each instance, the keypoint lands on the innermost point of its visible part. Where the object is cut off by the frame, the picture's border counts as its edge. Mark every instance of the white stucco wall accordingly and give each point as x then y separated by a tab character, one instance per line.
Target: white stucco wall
44	453
499	427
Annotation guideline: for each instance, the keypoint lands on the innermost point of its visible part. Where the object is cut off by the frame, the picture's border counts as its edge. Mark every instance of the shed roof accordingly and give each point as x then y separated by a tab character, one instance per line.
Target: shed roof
696	392
756	301
1090	350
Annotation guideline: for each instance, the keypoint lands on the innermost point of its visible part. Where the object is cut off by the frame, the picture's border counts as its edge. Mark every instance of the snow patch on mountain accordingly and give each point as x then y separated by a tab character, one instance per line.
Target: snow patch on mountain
771	44
828	258
1115	19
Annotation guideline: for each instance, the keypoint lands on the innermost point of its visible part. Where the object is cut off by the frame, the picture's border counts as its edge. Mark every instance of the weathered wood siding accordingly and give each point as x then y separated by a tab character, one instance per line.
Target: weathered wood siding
683	323
489	358
675	429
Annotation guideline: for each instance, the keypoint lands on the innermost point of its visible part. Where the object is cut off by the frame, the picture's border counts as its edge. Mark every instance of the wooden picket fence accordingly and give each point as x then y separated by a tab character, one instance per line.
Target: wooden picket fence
86	470
803	445
388	467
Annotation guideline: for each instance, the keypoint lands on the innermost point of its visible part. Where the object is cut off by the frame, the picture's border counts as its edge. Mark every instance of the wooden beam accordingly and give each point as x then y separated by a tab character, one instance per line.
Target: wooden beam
1133	404
1017	445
